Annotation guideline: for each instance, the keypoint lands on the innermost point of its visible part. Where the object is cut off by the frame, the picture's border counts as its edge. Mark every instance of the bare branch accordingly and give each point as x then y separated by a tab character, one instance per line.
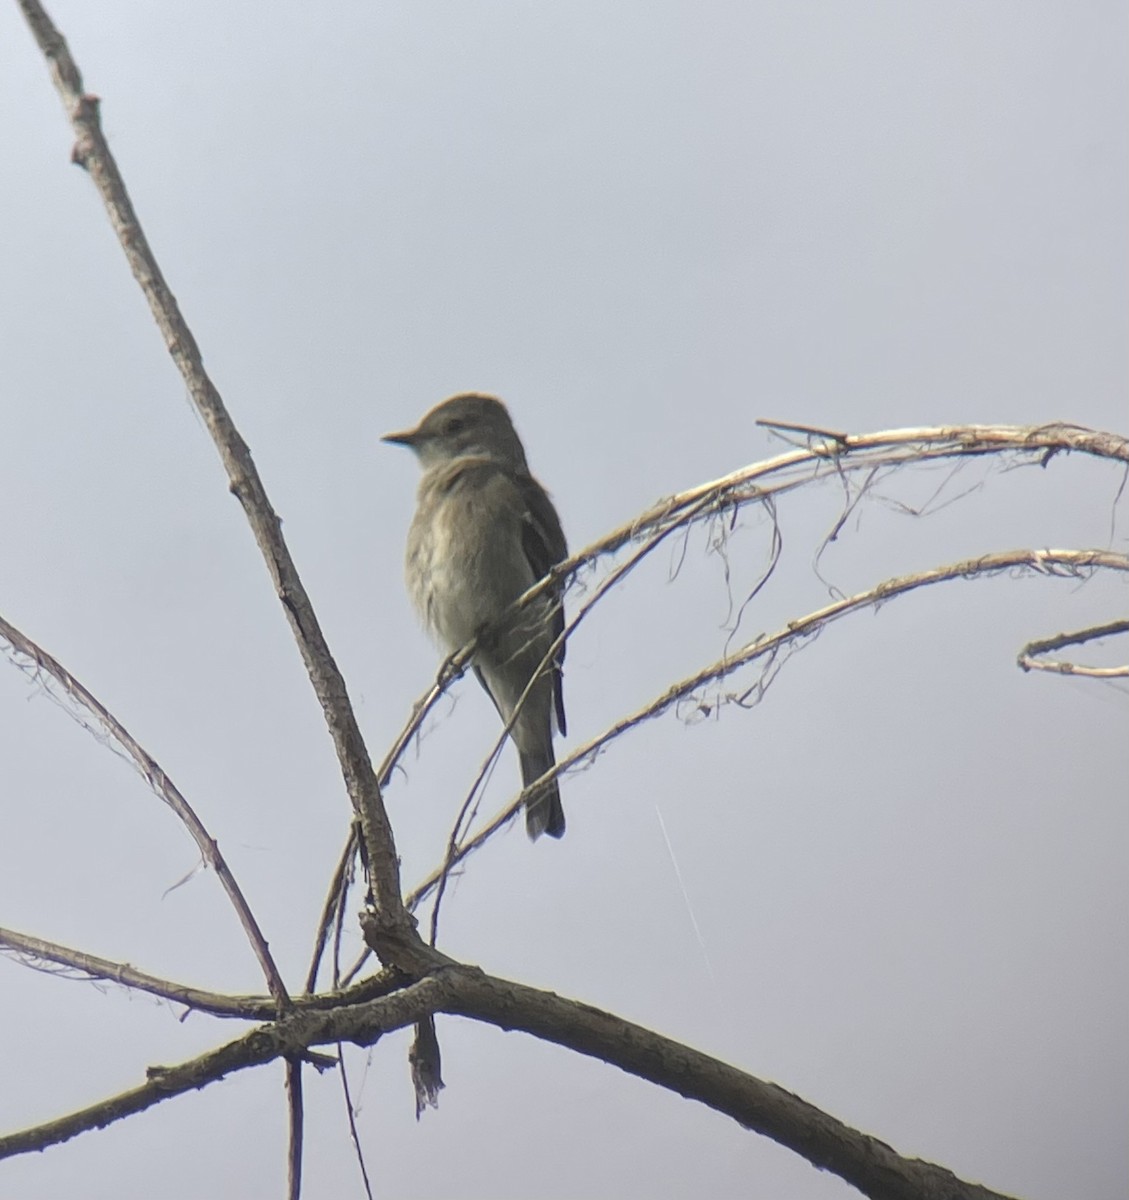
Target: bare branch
867	1163
251	1008
91	151
39	663
334	907
856	452
1029	661
351	1116
293	1035
90	966
296	1110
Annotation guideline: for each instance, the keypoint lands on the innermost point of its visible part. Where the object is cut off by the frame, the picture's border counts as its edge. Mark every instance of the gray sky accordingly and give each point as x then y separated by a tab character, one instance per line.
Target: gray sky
644	226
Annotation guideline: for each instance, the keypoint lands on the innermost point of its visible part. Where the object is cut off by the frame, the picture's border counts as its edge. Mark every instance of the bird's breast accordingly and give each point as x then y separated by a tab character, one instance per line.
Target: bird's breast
465	561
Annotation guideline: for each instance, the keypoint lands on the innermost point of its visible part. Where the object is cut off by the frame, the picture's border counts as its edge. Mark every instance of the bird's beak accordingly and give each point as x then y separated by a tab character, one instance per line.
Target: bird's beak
409	438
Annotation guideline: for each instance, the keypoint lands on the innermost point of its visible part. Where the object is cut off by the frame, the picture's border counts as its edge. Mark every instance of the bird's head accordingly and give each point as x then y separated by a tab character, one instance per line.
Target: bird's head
470	424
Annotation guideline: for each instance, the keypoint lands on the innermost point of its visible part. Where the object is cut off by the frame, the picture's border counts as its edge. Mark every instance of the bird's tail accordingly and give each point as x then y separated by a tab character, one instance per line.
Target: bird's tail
543	811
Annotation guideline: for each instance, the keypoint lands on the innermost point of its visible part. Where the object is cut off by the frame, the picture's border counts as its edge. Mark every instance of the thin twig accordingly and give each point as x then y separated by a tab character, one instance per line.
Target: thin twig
775	553
1028	657
38	951
807	430
90	966
1069	563
334	905
296	1110
151	771
351	1117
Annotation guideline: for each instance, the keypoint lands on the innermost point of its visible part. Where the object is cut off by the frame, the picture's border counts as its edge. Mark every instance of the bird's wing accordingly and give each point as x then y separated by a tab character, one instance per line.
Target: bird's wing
543	541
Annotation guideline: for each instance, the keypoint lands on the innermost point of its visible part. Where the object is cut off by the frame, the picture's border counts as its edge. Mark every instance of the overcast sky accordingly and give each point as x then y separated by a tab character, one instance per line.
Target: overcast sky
897	887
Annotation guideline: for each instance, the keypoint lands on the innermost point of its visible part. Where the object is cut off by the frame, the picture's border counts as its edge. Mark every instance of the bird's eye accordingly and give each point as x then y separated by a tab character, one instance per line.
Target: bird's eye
454	425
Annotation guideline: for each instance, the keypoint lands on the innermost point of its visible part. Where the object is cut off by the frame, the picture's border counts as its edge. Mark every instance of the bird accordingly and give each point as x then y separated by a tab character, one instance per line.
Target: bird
483	533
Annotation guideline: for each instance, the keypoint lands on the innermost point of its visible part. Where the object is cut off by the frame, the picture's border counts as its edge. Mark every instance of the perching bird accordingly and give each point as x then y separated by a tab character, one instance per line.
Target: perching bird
484	532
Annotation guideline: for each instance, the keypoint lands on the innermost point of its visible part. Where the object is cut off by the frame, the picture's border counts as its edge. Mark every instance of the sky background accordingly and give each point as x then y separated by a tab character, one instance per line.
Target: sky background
897	887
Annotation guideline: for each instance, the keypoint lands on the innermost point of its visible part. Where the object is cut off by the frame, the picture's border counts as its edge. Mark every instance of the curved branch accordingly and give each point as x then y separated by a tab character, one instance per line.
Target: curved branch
1068	563
872	1166
785	473
1028	657
150	770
